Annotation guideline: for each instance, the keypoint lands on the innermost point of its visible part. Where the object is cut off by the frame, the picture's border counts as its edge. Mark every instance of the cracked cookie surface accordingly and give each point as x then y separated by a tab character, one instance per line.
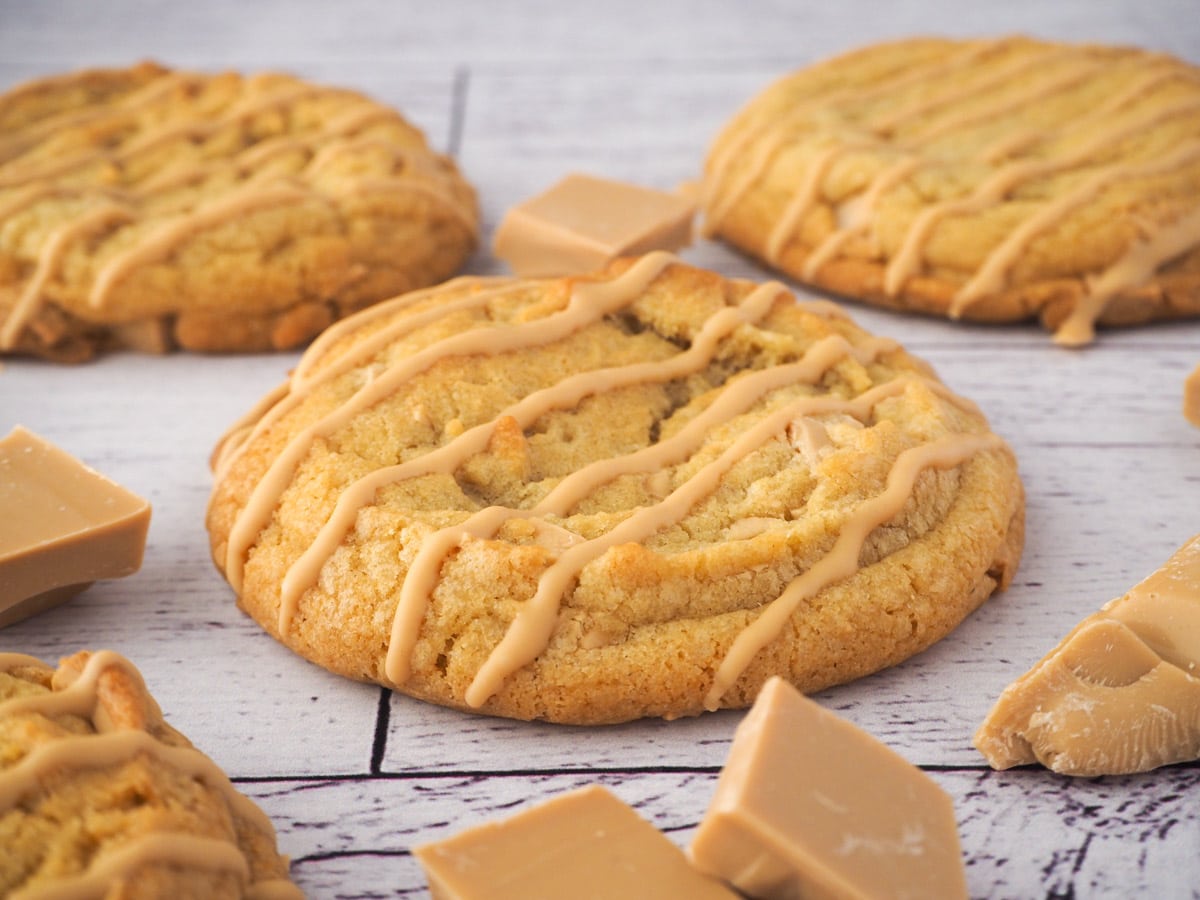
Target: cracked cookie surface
993	180
99	796
636	493
156	209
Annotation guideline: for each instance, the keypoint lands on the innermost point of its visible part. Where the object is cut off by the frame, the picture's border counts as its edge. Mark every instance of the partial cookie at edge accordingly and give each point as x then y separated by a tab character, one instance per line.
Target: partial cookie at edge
995	180
155	209
96	785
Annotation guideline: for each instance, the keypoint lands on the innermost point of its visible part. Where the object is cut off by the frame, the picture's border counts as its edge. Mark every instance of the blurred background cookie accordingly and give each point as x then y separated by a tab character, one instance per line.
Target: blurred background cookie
636	493
99	796
154	209
994	180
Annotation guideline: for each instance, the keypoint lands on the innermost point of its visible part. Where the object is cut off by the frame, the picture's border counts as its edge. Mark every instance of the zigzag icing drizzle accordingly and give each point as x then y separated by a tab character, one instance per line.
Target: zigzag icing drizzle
258	187
964	103
113	744
529	633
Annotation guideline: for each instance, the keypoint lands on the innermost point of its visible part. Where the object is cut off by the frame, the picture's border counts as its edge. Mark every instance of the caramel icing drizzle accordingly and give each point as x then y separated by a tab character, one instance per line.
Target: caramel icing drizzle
51	254
990	276
962	105
110	745
122	109
774	130
287	396
589	302
530	632
564	395
36	180
842	561
1008	178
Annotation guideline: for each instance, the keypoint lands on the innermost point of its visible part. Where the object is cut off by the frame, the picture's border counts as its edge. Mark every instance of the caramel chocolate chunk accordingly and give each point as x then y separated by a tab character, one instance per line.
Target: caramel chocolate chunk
586	844
810	806
583	223
1120	693
64	526
1191	397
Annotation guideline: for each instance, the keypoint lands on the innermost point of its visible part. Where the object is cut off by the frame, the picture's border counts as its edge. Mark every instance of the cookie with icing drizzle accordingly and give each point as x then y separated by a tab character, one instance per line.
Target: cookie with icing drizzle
99	796
990	180
586	500
155	209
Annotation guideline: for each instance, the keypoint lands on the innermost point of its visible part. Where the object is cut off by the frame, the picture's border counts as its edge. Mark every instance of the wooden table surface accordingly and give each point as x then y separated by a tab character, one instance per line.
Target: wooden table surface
522	93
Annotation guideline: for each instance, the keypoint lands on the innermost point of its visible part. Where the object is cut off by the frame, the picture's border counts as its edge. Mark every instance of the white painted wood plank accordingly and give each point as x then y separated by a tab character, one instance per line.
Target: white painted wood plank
1023	833
150	423
1068	571
550	34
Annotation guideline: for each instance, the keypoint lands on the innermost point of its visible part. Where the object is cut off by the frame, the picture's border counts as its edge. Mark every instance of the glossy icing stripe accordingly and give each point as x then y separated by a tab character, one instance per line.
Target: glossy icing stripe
421	579
304	379
164	240
49	257
1134	268
842	561
959	90
318	349
138	99
531	629
589	302
30	177
991	275
899	171
803	200
231	442
832	245
771	133
565	394
148	140
1072	76
113	744
909	257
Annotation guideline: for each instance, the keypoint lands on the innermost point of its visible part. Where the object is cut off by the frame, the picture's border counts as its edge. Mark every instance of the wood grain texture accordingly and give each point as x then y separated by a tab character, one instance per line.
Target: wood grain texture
1024	833
523	93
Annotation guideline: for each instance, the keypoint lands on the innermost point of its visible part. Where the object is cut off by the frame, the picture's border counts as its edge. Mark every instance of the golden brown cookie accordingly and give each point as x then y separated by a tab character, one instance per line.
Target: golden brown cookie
153	209
994	180
99	796
1191	397
638	493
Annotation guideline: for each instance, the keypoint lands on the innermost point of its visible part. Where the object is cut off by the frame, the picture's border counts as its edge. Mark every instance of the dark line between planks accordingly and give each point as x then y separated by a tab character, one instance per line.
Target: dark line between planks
383	715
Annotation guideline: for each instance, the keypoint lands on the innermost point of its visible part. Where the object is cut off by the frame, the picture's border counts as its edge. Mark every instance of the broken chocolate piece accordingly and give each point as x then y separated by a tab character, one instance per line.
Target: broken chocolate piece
1119	694
810	806
586	844
63	526
583	223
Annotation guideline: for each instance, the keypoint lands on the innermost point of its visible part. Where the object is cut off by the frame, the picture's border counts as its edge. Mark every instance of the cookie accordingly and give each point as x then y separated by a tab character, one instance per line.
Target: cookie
154	209
590	499
991	180
99	796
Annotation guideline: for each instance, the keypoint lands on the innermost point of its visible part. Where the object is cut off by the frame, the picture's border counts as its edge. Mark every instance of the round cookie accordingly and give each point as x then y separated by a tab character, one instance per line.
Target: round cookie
99	796
157	209
586	500
991	180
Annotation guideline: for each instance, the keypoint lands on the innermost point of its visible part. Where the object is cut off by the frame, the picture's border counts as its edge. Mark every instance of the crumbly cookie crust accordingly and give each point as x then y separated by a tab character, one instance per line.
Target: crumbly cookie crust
639	493
993	180
98	794
155	209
